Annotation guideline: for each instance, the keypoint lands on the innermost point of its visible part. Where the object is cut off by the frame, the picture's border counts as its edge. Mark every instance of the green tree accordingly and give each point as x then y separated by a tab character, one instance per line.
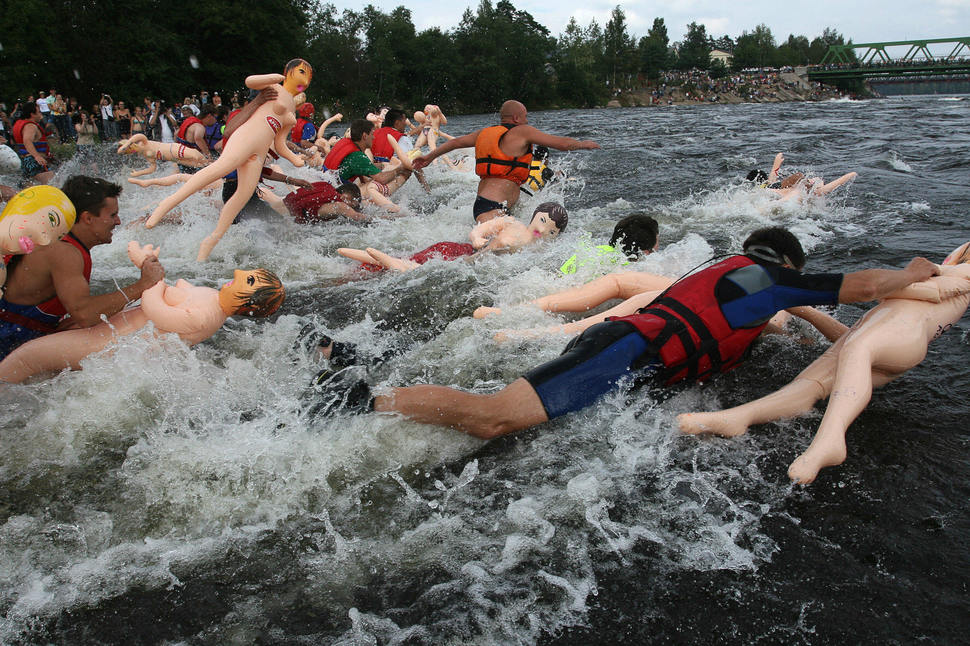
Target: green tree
695	52
756	49
578	54
655	50
618	49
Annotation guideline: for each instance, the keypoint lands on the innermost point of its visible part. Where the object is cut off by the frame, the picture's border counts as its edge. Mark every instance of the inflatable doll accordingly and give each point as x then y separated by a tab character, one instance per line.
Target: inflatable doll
498	234
34	217
155	151
194	313
889	340
246	150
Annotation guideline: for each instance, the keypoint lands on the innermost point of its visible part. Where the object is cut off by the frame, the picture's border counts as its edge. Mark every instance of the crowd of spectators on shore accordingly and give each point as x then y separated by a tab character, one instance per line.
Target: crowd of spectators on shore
66	119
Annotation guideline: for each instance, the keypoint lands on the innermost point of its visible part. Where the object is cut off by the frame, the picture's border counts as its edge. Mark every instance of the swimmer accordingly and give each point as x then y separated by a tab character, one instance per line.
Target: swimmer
890	339
503	155
316	203
634	235
795	186
500	234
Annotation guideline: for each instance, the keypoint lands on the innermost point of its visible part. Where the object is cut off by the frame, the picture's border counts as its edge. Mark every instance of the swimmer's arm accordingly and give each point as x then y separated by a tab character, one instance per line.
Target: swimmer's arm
260	81
873	284
828	326
268	94
465	141
533	135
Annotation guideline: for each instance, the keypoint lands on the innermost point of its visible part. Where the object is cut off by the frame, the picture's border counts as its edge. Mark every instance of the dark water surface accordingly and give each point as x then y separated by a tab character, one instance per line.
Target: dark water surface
167	495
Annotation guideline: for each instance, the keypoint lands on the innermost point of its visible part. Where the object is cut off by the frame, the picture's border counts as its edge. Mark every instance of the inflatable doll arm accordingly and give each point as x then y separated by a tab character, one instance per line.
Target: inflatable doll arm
282	137
480	233
260	81
137	253
829	327
934	290
167	318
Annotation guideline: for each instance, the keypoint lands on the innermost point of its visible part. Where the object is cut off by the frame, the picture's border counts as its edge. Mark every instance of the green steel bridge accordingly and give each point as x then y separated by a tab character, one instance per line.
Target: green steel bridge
842	62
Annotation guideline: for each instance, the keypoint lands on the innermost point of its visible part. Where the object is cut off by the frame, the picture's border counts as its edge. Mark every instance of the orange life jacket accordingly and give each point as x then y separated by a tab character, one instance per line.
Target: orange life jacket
490	161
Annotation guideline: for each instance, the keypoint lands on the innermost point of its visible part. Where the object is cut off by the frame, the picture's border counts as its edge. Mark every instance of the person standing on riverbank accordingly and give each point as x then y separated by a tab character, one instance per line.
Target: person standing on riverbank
503	155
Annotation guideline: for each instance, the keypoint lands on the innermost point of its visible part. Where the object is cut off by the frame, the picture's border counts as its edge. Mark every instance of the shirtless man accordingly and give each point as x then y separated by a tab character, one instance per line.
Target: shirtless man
53	281
503	154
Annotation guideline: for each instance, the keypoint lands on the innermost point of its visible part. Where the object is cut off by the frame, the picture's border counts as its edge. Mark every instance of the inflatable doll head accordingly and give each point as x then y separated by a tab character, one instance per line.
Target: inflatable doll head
256	292
298	74
35	217
129	146
960	255
549	219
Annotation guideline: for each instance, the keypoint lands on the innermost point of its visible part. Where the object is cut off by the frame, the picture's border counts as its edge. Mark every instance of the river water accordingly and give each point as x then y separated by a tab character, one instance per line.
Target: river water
167	495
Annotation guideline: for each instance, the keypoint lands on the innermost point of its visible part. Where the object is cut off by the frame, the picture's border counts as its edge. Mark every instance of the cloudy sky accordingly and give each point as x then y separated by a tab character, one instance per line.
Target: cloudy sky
863	21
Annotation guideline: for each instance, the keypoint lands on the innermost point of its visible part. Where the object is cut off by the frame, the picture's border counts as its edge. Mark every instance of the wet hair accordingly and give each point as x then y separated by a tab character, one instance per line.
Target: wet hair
394	115
555	211
359	128
208	109
540	153
349	190
265	299
27	108
293	64
775	245
635	233
89	193
757	176
791	180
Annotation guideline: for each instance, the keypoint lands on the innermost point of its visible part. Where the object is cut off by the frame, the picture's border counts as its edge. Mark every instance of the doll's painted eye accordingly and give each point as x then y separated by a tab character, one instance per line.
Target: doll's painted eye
250	280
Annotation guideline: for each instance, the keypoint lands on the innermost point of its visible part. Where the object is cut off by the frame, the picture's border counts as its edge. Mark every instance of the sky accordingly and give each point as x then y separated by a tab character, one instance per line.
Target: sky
864	21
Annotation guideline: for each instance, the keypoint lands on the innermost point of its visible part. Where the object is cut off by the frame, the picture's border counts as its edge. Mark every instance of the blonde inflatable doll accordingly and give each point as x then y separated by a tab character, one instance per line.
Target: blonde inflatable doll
34	217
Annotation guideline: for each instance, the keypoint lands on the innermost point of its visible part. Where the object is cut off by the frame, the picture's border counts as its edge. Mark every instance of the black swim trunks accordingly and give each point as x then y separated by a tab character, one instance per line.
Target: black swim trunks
484	205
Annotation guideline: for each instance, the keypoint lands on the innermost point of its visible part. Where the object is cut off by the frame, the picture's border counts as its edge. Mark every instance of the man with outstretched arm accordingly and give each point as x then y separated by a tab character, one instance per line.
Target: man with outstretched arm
702	325
503	156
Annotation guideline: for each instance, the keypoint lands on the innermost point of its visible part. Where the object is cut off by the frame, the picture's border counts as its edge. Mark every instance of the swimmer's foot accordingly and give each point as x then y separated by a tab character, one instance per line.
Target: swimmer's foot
336	391
717	423
820	454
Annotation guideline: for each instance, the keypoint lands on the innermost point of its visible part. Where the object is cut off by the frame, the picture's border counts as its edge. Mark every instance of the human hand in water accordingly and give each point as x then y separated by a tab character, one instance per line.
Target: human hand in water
420	162
482	312
588	145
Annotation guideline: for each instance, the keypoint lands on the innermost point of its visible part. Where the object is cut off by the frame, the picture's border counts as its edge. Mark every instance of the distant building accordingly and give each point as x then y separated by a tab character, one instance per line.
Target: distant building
723	56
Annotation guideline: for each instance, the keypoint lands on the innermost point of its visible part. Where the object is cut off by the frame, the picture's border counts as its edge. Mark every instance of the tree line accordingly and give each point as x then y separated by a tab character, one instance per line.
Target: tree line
362	58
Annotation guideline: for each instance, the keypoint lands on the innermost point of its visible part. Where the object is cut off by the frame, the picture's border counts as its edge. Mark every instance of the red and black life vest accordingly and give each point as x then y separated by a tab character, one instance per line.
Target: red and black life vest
18	137
180	135
687	329
296	134
490	161
381	147
339	151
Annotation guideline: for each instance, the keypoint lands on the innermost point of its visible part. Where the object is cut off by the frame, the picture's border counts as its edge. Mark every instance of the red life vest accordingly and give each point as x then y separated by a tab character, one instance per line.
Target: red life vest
381	147
339	151
18	138
54	305
180	135
296	134
687	330
490	161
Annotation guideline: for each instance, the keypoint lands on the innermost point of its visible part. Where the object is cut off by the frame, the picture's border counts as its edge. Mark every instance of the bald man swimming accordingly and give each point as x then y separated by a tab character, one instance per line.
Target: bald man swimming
503	155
